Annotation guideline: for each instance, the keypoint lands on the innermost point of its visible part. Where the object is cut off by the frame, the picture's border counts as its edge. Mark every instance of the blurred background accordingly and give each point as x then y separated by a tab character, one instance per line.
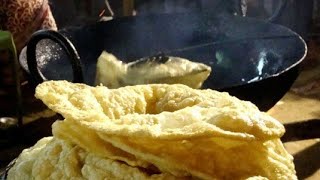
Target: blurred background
296	14
301	16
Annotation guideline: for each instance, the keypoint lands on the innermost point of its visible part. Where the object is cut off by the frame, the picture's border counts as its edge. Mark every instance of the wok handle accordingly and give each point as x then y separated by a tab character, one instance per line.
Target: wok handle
65	44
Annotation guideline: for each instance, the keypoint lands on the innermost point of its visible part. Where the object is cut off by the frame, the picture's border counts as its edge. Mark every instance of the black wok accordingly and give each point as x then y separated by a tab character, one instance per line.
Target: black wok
251	59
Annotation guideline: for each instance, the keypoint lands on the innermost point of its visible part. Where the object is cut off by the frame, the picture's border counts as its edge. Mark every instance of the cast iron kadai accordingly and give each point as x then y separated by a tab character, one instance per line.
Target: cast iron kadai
251	59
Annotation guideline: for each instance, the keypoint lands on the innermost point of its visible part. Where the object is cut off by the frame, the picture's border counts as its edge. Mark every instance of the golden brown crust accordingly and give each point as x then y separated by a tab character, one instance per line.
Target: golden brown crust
53	158
179	131
159	111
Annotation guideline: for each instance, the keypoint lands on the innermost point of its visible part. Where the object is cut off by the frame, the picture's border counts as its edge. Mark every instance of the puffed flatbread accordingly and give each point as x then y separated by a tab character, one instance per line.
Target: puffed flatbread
53	158
114	73
159	111
179	130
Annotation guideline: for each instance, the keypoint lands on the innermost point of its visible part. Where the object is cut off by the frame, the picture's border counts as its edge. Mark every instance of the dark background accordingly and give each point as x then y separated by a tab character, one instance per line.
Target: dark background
298	15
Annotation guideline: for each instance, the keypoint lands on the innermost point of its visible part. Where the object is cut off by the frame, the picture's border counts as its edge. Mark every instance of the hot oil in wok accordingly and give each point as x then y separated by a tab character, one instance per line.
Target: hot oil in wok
113	73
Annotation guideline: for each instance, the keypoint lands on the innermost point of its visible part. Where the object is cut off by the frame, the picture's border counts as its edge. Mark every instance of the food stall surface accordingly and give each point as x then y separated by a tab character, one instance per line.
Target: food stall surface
302	102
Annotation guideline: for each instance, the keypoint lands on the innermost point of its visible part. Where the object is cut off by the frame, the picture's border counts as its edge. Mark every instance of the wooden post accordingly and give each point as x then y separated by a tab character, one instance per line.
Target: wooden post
128	7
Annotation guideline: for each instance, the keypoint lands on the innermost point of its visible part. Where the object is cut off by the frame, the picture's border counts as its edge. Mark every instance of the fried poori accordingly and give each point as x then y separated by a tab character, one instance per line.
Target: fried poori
155	131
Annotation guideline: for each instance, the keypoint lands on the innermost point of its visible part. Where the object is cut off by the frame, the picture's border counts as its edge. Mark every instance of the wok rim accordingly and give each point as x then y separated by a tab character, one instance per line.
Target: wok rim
235	85
294	65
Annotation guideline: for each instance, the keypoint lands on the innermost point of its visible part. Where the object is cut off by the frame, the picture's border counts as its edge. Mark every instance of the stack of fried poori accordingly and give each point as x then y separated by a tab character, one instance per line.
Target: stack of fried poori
154	131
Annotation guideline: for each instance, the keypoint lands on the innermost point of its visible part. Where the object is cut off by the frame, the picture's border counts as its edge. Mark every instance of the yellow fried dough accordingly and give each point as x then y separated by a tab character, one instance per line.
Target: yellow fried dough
114	73
159	111
90	141
172	131
213	158
53	158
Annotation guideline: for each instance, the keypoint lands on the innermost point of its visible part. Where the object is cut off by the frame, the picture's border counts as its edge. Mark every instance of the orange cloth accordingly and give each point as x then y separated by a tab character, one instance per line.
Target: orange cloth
24	17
